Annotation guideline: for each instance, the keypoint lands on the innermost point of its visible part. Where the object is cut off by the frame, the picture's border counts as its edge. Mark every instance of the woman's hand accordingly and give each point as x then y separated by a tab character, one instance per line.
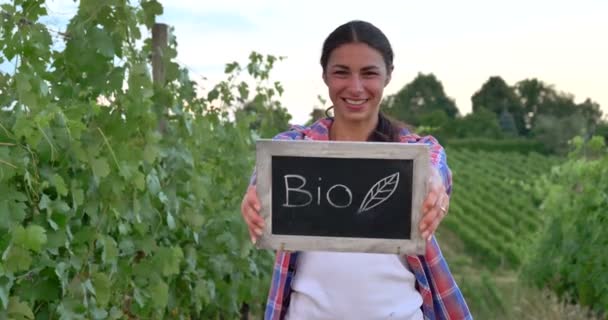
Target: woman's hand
250	209
435	205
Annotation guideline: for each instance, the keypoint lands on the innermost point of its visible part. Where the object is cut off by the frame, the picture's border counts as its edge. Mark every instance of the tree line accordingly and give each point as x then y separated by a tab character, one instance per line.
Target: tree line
531	109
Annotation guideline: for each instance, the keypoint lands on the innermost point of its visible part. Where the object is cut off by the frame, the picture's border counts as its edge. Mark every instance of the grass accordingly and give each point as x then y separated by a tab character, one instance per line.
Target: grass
500	294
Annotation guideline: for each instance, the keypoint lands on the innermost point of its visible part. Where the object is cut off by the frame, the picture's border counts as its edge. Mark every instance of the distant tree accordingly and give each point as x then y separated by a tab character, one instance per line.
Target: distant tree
270	119
533	94
318	111
555	132
423	96
481	124
315	115
602	130
539	98
495	95
507	123
592	113
437	118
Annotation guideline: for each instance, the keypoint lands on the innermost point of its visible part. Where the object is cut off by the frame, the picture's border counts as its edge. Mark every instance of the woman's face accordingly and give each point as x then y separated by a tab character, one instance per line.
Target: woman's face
356	75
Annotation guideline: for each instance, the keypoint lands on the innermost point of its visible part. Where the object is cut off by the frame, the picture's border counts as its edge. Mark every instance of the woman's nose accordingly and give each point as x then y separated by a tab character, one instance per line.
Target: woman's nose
356	84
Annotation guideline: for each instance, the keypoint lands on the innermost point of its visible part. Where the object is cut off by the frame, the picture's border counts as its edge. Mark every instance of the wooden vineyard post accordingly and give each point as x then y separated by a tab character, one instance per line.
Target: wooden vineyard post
159	46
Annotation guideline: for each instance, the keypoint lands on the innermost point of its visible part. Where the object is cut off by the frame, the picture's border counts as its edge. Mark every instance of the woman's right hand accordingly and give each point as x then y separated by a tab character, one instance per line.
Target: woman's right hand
250	209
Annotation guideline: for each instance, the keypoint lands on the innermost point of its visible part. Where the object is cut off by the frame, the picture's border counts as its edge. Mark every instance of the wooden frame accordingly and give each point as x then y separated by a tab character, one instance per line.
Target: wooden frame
266	149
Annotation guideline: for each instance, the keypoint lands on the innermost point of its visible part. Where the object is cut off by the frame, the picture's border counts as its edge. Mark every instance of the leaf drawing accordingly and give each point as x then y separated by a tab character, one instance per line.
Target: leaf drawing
380	192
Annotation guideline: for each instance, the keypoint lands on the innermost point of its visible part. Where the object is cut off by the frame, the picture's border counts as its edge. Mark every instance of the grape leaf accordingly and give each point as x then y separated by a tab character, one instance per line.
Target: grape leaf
59	184
19	310
17	259
100	167
159	293
170	259
102	286
32	237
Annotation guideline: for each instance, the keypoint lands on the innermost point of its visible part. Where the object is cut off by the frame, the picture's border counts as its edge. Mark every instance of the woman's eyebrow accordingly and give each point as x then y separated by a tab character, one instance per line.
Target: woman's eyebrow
366	68
370	68
340	66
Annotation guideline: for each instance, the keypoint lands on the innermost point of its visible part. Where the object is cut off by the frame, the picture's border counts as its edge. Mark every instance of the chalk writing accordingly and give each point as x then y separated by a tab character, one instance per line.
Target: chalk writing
379	193
296	189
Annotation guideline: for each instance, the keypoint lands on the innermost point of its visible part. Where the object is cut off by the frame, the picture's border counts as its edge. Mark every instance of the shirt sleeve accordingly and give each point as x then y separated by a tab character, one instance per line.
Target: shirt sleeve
442	298
438	157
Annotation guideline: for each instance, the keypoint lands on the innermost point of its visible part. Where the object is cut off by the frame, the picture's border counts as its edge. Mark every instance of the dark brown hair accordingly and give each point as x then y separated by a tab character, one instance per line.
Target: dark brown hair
364	32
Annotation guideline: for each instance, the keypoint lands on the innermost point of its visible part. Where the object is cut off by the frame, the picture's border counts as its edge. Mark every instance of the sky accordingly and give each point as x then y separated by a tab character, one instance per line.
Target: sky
563	43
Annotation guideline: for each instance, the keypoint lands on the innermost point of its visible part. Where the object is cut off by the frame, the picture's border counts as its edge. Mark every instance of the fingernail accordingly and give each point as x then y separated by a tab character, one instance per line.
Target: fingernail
425	235
257	207
253	240
258	231
429	238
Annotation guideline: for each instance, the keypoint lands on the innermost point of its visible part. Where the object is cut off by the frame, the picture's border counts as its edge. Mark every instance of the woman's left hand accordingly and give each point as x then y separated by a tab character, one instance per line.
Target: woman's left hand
435	205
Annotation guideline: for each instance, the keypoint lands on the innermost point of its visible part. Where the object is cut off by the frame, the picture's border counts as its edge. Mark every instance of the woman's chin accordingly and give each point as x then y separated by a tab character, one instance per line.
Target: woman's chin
356	115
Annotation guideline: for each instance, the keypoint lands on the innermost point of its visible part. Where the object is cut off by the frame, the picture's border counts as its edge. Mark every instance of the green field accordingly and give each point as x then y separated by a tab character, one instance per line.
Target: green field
491	219
491	211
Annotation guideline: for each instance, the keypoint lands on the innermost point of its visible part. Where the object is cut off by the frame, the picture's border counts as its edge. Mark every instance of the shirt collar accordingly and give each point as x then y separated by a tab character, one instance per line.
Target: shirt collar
319	130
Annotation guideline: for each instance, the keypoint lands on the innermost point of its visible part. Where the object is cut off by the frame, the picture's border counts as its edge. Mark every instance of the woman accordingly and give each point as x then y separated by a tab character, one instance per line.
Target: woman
357	62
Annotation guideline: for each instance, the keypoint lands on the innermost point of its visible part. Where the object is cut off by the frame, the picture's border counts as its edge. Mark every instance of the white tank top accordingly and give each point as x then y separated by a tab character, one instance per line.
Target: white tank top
340	285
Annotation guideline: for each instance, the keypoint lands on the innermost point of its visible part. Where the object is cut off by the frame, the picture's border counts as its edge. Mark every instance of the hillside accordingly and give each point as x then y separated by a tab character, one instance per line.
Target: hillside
491	212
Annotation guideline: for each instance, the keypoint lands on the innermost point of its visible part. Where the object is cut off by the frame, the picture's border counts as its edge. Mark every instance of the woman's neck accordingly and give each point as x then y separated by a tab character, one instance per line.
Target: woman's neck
351	131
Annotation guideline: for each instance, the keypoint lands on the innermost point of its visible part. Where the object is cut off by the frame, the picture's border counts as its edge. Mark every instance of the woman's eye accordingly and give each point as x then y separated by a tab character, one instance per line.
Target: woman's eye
340	72
370	74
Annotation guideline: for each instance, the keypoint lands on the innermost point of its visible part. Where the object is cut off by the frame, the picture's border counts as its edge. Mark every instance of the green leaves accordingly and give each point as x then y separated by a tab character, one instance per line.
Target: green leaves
103	41
153	183
5	288
32	237
564	256
151	9
16	259
102	286
59	184
97	205
12	212
19	310
22	81
139	180
150	153
169	260
110	250
159	294
100	167
205	289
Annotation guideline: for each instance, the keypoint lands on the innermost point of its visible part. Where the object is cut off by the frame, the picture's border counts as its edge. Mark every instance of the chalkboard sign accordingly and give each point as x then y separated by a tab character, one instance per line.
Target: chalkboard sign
342	196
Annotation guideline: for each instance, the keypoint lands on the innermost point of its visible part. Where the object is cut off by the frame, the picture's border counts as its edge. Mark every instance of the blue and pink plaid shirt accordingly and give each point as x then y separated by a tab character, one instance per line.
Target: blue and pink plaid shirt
441	297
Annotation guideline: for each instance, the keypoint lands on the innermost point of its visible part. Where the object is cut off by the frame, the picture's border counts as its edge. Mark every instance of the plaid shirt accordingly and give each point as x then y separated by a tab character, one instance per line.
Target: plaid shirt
441	297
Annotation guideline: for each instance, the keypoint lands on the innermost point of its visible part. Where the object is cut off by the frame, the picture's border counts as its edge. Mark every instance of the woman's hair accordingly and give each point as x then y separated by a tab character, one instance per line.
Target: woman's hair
365	32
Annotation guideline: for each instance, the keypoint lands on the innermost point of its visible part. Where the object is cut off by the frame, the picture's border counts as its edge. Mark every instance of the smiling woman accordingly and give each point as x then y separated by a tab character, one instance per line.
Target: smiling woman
357	62
356	76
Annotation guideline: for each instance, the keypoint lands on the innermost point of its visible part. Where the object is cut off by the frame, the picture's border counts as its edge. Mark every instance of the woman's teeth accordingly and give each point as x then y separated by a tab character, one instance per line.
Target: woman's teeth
355	102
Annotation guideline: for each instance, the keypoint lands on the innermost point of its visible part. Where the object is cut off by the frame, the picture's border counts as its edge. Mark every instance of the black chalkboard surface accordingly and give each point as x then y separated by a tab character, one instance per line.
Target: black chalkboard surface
334	197
341	196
